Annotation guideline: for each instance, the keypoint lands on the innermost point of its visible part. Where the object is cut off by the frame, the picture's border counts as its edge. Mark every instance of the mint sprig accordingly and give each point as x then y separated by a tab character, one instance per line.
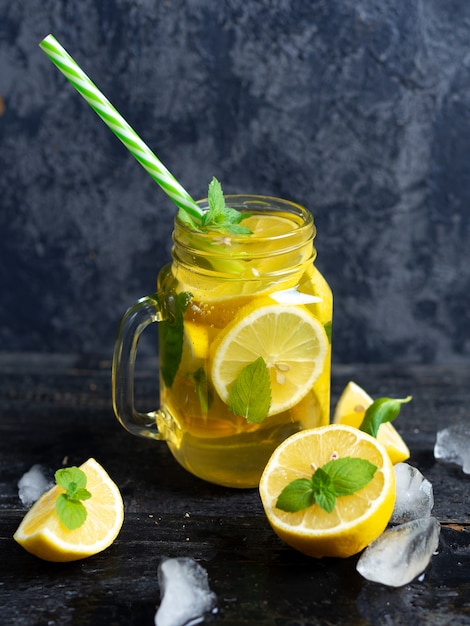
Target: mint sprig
72	513
250	395
380	411
337	478
218	217
221	217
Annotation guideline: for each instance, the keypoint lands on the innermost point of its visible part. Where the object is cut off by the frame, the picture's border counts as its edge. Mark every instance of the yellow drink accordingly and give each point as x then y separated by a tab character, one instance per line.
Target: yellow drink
267	278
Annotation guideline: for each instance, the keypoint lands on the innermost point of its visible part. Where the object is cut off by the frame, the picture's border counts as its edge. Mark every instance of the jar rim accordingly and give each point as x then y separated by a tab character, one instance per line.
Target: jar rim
258	203
264	254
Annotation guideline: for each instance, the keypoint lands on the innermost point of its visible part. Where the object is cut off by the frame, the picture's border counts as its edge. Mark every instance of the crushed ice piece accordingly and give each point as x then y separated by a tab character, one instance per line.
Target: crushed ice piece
185	592
32	485
453	445
415	496
401	553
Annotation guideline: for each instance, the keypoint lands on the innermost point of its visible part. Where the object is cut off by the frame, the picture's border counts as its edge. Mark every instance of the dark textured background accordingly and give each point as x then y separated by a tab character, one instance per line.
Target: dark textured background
358	109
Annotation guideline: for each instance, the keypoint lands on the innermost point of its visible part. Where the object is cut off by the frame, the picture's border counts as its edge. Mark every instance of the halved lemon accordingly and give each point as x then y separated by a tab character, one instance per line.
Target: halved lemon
351	408
356	520
43	534
291	341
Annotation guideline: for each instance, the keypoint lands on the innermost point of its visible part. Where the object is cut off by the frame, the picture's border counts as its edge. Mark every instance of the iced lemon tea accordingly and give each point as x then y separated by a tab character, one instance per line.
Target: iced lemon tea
242	298
244	342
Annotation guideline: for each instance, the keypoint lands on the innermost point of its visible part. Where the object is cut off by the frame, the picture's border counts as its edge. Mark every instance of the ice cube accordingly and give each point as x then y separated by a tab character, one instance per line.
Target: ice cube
293	296
185	592
33	484
401	553
453	445
414	494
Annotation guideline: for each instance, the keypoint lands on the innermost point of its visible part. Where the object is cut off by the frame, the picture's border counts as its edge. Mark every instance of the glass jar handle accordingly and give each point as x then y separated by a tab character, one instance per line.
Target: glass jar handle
136	319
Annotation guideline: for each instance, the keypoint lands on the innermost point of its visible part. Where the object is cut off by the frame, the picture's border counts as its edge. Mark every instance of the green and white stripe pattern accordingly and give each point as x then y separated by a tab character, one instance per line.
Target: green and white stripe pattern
111	117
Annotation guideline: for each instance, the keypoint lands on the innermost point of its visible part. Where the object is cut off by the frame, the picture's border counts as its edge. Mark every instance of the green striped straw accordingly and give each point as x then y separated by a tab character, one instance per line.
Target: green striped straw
112	118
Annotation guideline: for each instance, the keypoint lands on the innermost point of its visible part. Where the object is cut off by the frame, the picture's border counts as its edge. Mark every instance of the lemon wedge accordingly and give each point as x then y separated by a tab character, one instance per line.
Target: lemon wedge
43	534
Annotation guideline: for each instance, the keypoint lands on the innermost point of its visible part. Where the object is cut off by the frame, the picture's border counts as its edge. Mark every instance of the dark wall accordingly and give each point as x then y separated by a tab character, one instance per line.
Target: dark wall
358	109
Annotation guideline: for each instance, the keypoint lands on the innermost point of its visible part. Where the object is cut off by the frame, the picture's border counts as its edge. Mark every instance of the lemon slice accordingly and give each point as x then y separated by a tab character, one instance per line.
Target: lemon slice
356	519
291	341
42	533
351	409
269	226
195	346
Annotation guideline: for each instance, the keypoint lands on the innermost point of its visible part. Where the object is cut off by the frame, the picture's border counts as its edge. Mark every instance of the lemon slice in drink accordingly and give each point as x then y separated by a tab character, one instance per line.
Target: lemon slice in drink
351	408
195	346
356	519
269	226
43	534
291	341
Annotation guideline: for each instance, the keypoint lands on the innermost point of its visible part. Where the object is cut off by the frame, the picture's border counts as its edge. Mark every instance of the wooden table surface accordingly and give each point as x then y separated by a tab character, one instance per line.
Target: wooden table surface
58	407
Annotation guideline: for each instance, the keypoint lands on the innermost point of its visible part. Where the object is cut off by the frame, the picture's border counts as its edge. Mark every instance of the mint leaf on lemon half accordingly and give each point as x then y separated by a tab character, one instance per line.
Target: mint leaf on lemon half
71	511
339	477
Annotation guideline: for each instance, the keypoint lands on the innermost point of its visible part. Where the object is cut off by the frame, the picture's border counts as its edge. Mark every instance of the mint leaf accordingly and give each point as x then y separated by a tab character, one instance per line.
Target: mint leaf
184	217
320	480
70	475
236	229
204	392
250	395
337	478
380	411
72	513
232	216
328	329
296	496
326	499
323	489
82	494
349	474
216	201
171	338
